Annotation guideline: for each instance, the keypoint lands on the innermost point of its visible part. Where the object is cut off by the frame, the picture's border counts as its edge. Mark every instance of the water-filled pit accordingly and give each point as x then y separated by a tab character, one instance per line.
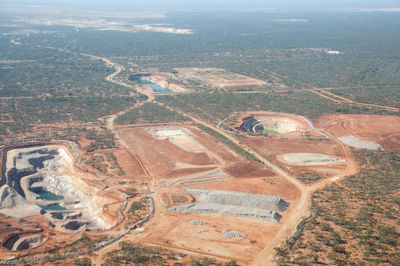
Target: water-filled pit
42	179
156	87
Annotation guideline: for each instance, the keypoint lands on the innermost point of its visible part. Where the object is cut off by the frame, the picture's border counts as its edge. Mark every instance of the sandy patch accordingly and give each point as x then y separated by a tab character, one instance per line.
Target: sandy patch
180	137
309	158
358	143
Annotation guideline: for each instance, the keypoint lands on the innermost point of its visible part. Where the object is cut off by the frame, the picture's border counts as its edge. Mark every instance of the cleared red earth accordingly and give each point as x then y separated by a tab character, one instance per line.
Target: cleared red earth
175	164
197	160
382	129
278	150
167	159
298	148
176	231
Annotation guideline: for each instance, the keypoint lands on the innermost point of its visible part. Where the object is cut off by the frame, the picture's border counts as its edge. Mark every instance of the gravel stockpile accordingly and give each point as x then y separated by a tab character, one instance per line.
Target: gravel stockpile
358	143
196	222
229	210
310	158
229	233
225	197
235	204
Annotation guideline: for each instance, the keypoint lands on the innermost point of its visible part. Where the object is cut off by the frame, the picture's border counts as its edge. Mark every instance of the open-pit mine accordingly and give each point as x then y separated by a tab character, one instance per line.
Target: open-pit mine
200	196
157	82
291	141
42	181
278	125
181	79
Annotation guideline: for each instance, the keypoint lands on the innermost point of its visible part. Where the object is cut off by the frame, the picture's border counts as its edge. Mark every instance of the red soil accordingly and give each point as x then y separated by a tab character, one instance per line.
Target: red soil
105	194
173	230
382	129
272	147
160	156
167	160
280	187
250	169
128	163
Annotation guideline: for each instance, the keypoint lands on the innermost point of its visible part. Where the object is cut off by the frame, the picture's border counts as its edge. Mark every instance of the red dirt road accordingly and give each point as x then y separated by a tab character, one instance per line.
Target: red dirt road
301	209
264	251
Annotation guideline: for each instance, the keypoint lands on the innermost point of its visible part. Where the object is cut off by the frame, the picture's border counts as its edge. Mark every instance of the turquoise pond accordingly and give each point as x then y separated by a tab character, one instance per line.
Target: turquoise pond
52	207
46	195
157	88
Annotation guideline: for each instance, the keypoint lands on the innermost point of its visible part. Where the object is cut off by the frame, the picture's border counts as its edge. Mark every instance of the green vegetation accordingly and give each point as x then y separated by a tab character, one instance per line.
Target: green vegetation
38	71
102	137
269	131
49	90
65	109
27	113
178	198
137	254
97	162
110	157
137	206
373	95
207	262
308	177
83	261
239	150
216	106
84	243
355	222
66	86
150	113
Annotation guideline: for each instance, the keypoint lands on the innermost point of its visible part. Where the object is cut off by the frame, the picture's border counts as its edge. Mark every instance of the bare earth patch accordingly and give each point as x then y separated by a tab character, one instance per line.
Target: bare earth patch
220	79
309	158
363	131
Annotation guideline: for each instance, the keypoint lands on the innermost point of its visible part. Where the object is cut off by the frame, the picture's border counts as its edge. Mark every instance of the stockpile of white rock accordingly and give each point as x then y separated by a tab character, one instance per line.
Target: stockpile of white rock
236	204
196	222
229	233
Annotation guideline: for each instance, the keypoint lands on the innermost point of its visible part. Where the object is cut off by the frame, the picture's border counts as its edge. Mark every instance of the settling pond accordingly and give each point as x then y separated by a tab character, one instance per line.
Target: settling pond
44	194
156	87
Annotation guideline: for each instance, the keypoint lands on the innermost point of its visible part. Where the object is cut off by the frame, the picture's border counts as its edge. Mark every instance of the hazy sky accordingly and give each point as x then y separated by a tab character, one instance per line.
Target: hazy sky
210	4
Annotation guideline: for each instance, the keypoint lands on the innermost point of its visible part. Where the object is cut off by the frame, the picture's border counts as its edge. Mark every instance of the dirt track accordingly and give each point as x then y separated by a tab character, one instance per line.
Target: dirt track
110	119
364	127
300	211
336	98
339	99
302	208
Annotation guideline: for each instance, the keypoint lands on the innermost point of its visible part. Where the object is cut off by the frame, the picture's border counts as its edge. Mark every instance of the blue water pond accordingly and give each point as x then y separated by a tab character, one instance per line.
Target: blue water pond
157	88
52	207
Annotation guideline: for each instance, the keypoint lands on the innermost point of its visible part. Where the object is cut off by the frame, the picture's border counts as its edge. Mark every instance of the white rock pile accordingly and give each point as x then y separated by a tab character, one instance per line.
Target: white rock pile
236	204
196	222
229	233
